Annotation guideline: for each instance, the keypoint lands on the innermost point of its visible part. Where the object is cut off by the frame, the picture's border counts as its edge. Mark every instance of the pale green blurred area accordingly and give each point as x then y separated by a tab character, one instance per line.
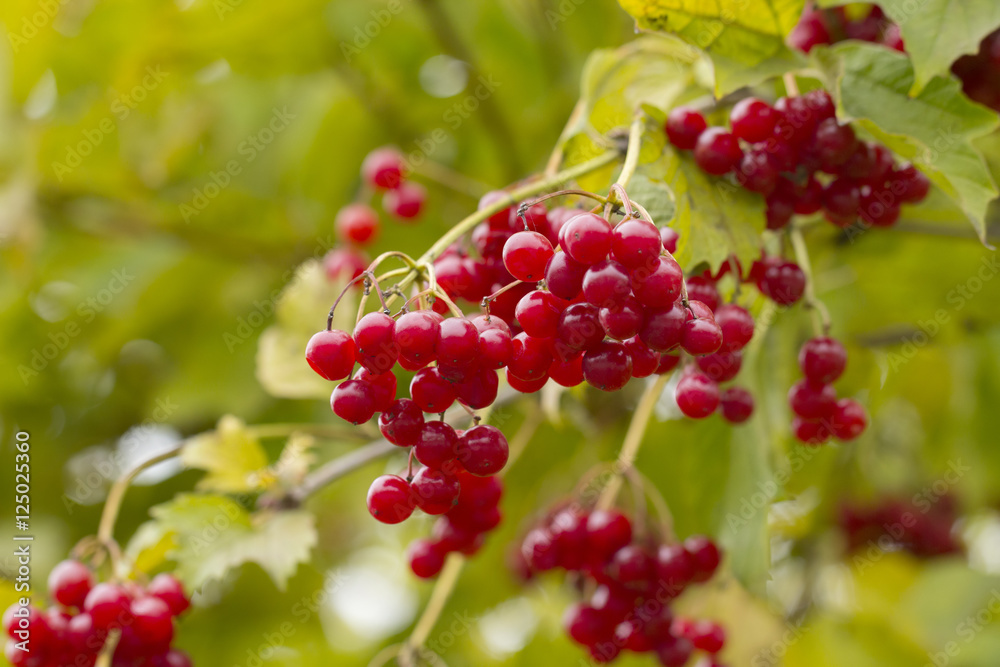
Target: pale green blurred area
116	114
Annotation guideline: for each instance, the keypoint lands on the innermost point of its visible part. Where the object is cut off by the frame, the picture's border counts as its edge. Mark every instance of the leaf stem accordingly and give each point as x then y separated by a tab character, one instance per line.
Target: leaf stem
634	147
113	503
820	314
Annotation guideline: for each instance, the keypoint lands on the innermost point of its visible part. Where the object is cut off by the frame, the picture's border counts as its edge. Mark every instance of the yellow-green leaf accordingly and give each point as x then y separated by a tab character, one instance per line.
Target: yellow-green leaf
230	456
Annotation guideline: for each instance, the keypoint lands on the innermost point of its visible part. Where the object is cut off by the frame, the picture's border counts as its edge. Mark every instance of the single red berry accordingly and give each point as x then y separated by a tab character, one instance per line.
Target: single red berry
717	151
564	276
833	144
434	491
811	432
526	386
357	223
390	499
417	335
483	450
166	587
662	329
757	173
480	389
437	446
430	391
458	342
823	359
878	207
153	623
567	372
525	254
69	583
780	209
344	264
426	558
737	405
107	605
500	219
644	360
721	366
753	120
707	636
668	362
587	238
383	387
737	326
607	532
635	242
668	237
674	651
812	400
405	202
849	419
607	366
586	625
684	126
697	395
538	313
912	184
784	283
579	328
331	354
705	556
625	322
701	336
496	346
607	284
658	286
353	401
383	168
531	358
375	337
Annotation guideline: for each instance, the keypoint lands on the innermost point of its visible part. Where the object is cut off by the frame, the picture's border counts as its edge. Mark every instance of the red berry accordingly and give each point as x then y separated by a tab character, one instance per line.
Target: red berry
430	391
426	558
736	404
721	366
587	238
668	237
579	328
564	276
344	264
69	583
531	359
152	623
437	445
567	372
812	400
166	587
684	126
434	492
607	532
811	432
632	564
644	360
849	419
822	359
752	119
658	286
526	386
353	401
458	342
607	284
331	354
913	184
383	387
697	395
538	313
500	219
737	326
784	284
390	499
625	322
483	450
375	337
357	223
662	329
707	636
717	151
383	168
405	202
417	334
586	625
701	336
635	242
480	389
525	254
834	144
705	556
496	346
607	366
107	605
674	651
668	362
757	173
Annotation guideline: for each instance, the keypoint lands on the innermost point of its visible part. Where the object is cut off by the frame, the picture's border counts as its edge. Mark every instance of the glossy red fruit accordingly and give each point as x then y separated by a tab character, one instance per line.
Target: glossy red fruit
483	450
525	254
69	583
607	532
701	336
585	625
405	202
644	360
564	276
567	372
834	144
668	237
390	499
607	284
434	491
635	242
737	326
757	173
697	395
812	400
496	346
823	359
538	313
437	446
579	328
331	354
417	334
684	126
658	286
661	330
753	120
153	623
878	206
784	283
625	322
717	151
668	362
357	223
383	387
849	419
721	366
811	432
704	555
344	264
383	168
526	386
780	209
479	390
674	651
587	238
402	422
607	366
911	184
166	587
107	605
430	391
426	558
375	337
501	218
531	358
458	342
736	405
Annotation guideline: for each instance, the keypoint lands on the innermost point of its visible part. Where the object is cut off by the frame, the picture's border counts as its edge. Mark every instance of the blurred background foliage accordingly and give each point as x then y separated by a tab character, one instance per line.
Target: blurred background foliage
134	292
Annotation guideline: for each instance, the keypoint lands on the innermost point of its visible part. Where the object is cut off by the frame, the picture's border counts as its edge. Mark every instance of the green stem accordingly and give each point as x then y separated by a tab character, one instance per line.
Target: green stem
820	315
634	147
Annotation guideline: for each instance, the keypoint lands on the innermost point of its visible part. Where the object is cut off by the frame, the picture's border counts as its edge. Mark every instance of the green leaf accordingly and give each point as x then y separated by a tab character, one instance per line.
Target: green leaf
229	455
210	535
744	38
714	217
934	129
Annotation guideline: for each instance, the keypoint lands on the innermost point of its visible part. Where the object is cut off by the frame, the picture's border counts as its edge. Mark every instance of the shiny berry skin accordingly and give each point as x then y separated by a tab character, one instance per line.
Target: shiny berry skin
721	366
166	587
402	423
668	362
434	492
531	359
430	391
437	445
525	254
152	622
737	326
607	284
567	372
717	151
405	202
383	387
912	184
834	143
644	360
607	532
607	366
375	337
579	328
736	405
674	651
458	342
878	207
823	359
753	120
811	400
684	126
357	223
849	419
69	583
331	354
707	636
585	625
34	623
480	389
662	329
635	242
625	322
540	550
483	450
701	336
809	197
757	173
426	558
564	276
417	334
538	313
587	238
353	401
383	168
500	219
496	346
658	286
107	605
390	499
810	432
704	555
784	283
780	209
841	199
668	237
697	395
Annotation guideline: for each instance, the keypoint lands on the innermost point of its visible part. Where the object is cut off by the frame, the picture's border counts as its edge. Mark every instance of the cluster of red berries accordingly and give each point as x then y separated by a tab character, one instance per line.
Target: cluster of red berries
802	160
862	21
74	629
462	528
630	581
925	527
980	72
818	414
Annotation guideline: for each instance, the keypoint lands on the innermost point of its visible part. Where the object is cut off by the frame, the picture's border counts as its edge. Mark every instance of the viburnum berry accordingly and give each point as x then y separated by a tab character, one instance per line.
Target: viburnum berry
402	423
911	184
625	322
822	359
849	419
722	365
390	499
579	328
607	532
607	366
811	432
587	238
430	391
526	254
531	358
153	622
406	202
662	329
812	400
331	354
526	386
737	326
496	345
717	151
69	583
458	342
833	143
479	390
483	450
675	651
635	242
784	283
697	395
426	558
668	237
434	491
375	337
437	445
166	587
383	387
704	555
701	336
344	264
353	401
564	276
659	285
357	223
607	284
383	168
736	404
538	313
752	119
757	173
644	360
416	334
684	126
107	605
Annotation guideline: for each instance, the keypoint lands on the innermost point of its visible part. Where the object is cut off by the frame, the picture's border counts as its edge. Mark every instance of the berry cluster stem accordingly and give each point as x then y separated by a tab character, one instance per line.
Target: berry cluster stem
820	314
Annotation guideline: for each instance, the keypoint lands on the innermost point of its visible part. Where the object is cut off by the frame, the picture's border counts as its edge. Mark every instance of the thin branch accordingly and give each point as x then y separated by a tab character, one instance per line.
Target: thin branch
333	470
820	314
